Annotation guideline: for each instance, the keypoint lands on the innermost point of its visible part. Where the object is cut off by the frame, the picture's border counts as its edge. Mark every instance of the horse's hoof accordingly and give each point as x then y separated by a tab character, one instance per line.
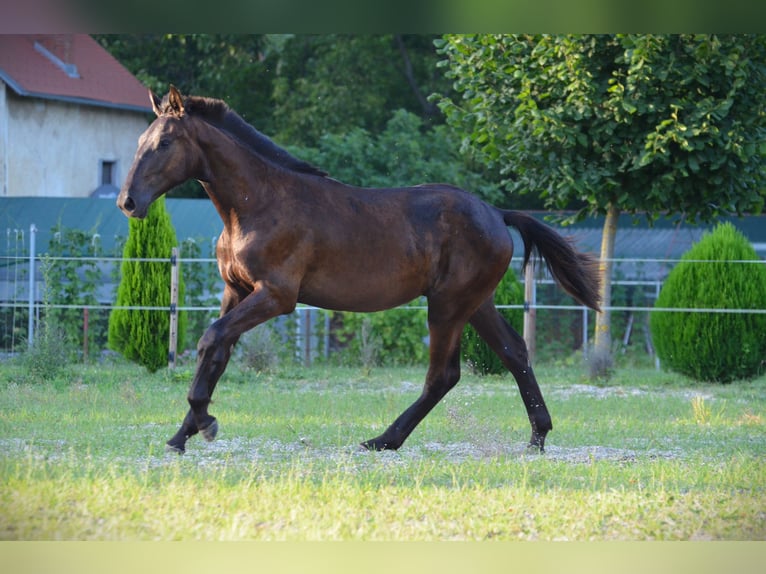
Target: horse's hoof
377	444
533	448
209	432
171	448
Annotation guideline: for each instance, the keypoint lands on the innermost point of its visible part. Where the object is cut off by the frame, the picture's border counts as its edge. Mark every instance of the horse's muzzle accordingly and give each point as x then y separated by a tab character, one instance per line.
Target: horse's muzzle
129	206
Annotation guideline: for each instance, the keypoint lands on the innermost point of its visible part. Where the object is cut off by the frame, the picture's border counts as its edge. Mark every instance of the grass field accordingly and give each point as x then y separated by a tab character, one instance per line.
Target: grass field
648	456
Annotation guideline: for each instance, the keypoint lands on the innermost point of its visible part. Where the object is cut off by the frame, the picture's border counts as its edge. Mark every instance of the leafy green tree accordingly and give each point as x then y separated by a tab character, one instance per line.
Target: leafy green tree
404	153
723	346
333	83
608	124
238	68
141	335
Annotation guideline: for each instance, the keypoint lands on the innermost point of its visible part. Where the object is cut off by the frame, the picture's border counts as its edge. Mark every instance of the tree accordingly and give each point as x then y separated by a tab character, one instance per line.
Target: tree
661	125
401	154
142	335
334	83
238	68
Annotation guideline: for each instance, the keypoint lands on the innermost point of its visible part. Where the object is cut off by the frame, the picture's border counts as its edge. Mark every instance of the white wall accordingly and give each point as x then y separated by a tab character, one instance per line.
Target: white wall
55	149
3	141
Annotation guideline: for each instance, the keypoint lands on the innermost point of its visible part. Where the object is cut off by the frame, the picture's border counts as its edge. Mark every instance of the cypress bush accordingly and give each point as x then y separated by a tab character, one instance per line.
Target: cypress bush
720	347
475	351
142	335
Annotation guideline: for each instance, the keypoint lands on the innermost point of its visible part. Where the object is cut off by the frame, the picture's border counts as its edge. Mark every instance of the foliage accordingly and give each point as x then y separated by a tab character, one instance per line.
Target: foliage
141	335
649	123
393	337
12	334
294	87
402	154
474	350
335	83
202	284
49	354
713	346
238	68
51	350
75	282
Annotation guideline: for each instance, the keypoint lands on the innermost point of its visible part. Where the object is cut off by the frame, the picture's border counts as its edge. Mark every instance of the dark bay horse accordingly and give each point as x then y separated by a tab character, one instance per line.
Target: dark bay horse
292	234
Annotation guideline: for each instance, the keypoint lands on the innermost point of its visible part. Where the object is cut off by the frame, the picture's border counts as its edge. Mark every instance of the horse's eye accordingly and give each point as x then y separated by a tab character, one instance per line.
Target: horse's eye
164	143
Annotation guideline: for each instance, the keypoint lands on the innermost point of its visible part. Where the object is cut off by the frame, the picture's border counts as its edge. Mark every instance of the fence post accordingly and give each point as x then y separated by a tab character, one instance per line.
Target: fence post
173	308
85	325
307	339
31	320
530	300
585	332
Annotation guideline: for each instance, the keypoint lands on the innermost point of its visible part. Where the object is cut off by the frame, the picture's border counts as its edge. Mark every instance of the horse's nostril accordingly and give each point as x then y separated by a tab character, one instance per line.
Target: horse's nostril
129	204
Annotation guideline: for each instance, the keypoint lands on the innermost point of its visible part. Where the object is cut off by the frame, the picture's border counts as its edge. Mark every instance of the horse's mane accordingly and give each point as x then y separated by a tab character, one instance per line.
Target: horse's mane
220	115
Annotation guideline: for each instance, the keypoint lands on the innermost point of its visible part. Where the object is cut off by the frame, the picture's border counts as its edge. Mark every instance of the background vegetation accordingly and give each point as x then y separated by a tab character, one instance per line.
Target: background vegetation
137	334
719	347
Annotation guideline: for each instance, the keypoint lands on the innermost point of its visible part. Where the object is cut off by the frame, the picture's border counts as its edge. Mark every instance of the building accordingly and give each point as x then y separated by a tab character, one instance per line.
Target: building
70	117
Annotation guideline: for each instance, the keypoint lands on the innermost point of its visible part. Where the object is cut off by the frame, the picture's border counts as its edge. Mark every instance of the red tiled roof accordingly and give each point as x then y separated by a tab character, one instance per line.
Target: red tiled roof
32	66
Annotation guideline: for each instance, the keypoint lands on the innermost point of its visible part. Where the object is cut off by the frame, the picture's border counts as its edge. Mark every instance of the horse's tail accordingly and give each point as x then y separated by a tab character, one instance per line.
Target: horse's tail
576	273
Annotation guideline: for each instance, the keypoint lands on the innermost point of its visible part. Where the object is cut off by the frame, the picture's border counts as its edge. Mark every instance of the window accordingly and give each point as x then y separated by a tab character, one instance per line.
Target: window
107	172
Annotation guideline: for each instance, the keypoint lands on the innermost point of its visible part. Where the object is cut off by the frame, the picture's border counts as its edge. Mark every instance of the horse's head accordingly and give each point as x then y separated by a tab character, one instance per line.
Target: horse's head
165	156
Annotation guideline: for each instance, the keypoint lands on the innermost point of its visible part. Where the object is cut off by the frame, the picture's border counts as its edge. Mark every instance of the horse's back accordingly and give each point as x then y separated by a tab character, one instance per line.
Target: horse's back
385	247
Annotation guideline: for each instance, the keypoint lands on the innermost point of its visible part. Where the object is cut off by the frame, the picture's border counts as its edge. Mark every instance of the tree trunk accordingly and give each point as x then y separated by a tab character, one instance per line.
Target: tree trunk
430	109
601	358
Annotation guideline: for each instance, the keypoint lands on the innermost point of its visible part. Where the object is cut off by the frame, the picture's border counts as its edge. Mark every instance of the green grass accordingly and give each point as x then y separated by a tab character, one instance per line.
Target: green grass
649	456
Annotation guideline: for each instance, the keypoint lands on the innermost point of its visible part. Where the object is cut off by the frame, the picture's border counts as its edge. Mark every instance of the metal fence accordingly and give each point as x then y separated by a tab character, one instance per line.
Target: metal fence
23	300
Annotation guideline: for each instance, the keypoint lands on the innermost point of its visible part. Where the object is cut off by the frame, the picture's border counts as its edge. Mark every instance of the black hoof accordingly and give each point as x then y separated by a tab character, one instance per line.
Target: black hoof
179	450
377	444
537	442
209	432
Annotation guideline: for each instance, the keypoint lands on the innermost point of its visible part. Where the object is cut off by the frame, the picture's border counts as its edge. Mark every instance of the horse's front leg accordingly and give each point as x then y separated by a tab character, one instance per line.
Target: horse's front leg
213	354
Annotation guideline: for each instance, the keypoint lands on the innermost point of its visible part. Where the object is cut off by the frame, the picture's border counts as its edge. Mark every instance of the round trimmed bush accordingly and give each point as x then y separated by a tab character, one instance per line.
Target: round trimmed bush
720	347
475	351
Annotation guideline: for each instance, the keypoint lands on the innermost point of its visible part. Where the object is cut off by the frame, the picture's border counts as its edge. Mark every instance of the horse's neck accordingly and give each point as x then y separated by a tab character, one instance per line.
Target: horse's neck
235	178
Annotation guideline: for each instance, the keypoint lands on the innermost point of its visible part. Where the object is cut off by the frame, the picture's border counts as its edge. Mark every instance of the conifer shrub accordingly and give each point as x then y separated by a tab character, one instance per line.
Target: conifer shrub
142	335
720	347
476	353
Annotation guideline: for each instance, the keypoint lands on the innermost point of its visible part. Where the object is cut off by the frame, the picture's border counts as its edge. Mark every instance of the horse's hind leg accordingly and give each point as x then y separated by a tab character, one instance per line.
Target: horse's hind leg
443	374
512	350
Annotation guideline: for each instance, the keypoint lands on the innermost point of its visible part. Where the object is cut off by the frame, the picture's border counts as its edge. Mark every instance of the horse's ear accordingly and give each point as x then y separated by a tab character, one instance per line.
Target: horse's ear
156	103
176	100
